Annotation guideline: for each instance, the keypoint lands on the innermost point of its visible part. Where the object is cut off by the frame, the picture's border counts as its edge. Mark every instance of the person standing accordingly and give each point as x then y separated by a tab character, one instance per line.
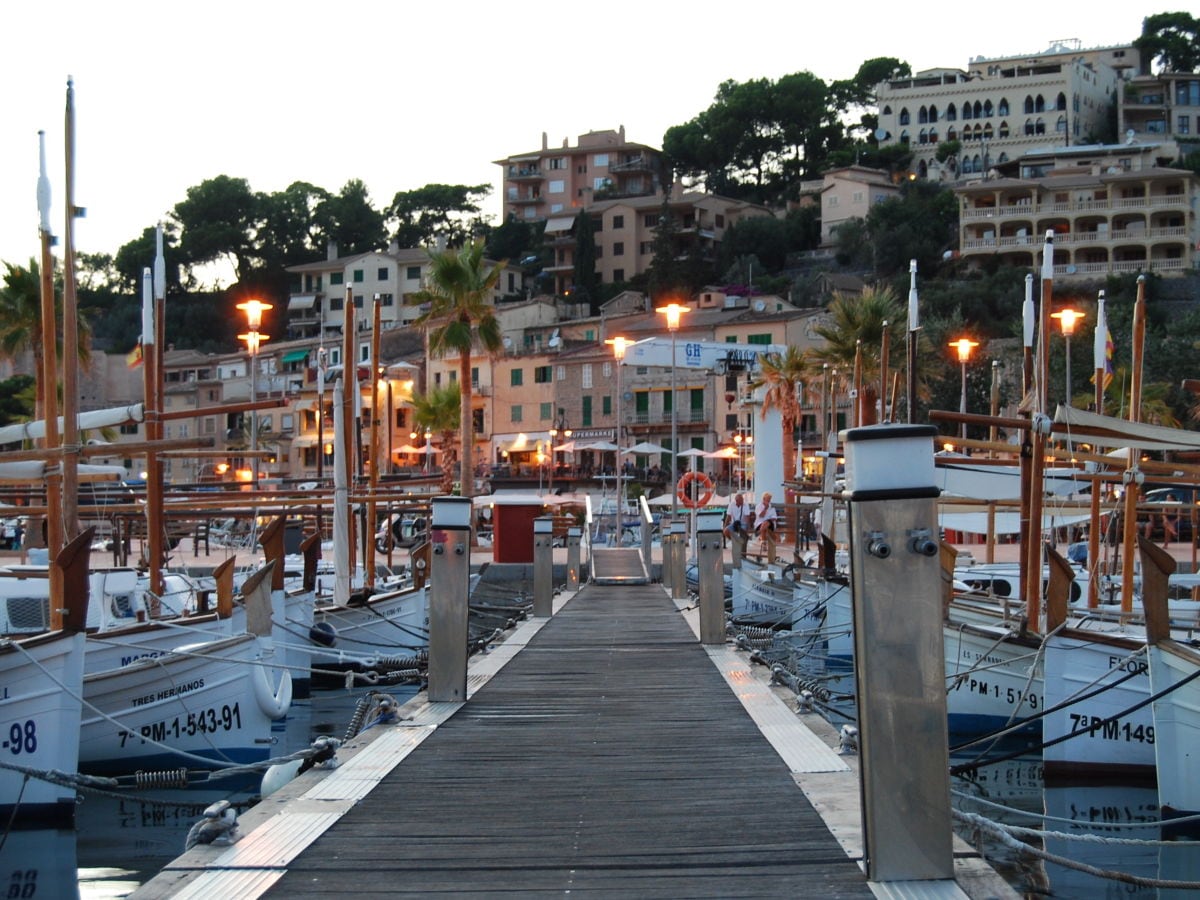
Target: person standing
764	524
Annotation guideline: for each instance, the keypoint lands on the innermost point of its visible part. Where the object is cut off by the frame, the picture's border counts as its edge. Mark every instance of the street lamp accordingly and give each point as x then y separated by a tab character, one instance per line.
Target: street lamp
673	312
619	344
743	442
428	446
964	346
1067	320
254	310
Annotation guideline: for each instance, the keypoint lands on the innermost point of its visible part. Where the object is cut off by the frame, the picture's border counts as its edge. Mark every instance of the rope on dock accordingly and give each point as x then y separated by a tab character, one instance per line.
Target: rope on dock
1002	834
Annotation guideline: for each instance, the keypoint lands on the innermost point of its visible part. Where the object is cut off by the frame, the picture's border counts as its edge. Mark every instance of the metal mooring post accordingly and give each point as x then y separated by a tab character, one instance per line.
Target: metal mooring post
574	534
450	570
666	543
737	544
543	567
900	669
679	560
710	562
647	528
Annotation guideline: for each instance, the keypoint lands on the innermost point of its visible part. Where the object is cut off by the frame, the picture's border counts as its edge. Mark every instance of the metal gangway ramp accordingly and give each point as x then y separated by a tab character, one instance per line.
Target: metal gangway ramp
619	565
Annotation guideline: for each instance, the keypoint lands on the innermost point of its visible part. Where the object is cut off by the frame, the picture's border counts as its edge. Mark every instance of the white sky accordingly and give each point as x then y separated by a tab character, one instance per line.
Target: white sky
403	94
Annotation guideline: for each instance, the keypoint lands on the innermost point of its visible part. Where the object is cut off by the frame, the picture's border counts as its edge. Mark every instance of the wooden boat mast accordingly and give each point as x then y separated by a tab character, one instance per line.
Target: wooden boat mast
1133	475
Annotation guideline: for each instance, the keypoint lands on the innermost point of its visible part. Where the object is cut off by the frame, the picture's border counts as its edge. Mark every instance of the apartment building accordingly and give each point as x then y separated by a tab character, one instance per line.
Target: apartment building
624	233
1113	209
319	291
1002	108
848	193
560	181
1162	108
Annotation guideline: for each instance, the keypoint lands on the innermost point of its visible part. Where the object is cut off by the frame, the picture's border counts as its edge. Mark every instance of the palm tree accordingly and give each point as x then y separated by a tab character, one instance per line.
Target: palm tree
438	412
857	326
461	318
21	322
783	375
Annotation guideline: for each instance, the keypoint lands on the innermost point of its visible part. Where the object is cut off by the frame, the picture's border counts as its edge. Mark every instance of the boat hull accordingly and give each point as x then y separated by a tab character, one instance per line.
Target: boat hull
206	700
40	689
1176	727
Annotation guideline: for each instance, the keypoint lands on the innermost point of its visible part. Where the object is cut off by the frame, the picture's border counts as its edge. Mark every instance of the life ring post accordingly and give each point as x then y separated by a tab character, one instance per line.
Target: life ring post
684	490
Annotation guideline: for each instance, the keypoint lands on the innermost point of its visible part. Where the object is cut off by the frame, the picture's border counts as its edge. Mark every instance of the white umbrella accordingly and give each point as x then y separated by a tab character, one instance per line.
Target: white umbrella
695	451
645	448
428	448
567	447
597	445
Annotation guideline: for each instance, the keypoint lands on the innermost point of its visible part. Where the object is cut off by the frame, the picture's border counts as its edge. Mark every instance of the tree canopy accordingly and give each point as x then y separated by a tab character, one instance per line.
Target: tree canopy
438	211
1172	40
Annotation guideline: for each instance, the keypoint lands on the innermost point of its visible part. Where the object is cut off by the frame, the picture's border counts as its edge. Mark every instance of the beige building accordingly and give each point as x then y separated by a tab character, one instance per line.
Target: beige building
1002	108
1113	210
560	181
850	193
1163	108
624	232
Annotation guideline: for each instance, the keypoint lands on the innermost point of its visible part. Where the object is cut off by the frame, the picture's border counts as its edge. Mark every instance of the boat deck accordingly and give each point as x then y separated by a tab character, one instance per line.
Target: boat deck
601	751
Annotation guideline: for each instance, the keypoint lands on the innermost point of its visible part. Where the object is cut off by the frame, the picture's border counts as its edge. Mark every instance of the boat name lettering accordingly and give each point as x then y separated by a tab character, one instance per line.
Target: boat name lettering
149	654
1009	695
166	693
1112	729
974	655
1125	664
204	721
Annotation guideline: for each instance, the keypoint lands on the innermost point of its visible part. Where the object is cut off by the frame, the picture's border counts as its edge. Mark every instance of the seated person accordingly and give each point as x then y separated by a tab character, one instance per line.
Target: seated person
764	520
737	518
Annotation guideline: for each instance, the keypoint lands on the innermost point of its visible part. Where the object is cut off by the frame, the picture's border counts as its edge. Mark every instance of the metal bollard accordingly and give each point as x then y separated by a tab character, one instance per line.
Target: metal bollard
450	570
710	562
574	534
679	561
737	546
900	668
666	542
543	567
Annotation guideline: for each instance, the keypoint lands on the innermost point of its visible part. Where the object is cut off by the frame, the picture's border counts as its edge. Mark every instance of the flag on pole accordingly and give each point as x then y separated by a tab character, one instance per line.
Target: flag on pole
1103	345
133	358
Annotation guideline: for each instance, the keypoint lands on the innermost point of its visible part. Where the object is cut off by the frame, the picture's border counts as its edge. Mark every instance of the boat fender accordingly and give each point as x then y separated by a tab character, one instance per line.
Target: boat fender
323	634
273	703
218	826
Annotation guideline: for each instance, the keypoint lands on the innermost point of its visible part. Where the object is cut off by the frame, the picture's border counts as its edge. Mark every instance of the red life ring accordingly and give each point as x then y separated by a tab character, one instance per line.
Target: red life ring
685	495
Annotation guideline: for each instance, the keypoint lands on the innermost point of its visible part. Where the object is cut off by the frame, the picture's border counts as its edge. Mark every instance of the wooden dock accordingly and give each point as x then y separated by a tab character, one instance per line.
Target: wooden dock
600	751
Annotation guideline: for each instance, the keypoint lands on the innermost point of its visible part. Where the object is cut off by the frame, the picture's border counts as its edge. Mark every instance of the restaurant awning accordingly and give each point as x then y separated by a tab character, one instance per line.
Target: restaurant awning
301	301
293	356
559	223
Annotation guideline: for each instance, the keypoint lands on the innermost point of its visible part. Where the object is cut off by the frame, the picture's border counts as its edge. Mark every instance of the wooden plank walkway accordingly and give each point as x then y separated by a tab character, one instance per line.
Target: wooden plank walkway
608	757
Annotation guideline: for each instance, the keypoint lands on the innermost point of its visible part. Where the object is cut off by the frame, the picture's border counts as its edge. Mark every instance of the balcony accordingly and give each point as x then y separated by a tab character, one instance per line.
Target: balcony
524	173
1075	238
531	197
639	163
1028	210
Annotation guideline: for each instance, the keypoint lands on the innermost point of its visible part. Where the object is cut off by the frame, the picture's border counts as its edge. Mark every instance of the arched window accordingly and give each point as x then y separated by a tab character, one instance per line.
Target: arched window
952	134
978	132
966	111
904	138
987	131
1002	109
1003	129
933	138
976	164
1003	158
987	109
887	110
923	137
933	113
922	116
1039	104
1061	125
1040	126
922	170
1028	105
965	168
951	113
904	119
1060	102
977	110
1029	126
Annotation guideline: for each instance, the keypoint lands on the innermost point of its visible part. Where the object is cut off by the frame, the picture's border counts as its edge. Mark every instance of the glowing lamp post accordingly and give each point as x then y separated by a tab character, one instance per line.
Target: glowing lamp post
674	312
619	344
1067	320
559	427
964	346
254	310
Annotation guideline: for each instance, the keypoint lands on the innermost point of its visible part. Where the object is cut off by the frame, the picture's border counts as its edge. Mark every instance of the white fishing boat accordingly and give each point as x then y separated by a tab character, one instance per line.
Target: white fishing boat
213	700
40	688
1175	683
392	624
